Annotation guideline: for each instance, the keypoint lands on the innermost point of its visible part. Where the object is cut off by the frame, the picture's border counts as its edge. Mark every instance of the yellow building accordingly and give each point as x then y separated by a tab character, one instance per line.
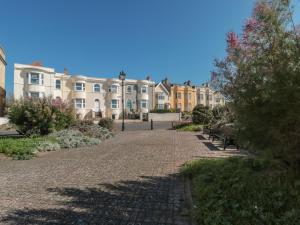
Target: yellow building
183	97
2	81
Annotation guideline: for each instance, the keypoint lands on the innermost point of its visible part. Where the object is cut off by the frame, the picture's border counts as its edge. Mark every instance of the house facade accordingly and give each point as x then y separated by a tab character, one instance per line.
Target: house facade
2	80
206	96
162	97
92	97
183	97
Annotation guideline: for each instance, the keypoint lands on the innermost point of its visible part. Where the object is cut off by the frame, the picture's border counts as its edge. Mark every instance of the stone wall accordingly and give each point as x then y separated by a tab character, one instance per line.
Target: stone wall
164	116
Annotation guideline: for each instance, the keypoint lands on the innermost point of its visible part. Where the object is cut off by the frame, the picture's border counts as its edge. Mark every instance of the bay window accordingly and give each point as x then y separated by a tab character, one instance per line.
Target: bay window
79	86
79	103
35	78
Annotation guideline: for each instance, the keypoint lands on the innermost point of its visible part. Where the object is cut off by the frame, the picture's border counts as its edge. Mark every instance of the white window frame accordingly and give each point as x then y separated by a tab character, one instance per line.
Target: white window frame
114	88
95	86
161	97
58	84
34	92
178	94
79	103
144	89
142	104
160	106
76	85
131	88
115	105
40	80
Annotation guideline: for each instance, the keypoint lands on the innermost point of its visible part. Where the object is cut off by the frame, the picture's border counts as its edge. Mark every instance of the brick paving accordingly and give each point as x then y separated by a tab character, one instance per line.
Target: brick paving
131	179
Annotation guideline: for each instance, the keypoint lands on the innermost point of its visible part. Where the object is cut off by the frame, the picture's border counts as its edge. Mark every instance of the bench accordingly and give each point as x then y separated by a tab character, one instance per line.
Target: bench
226	137
17	134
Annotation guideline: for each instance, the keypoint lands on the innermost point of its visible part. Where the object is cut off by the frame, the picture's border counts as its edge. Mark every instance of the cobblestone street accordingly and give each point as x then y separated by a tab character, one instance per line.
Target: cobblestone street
130	179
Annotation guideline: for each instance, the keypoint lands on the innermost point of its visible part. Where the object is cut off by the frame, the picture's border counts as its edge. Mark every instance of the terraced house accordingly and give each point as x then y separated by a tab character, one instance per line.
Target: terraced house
92	96
2	80
185	97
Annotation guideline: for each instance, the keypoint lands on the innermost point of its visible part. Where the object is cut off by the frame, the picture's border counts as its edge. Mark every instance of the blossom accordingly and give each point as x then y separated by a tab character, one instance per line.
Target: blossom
233	40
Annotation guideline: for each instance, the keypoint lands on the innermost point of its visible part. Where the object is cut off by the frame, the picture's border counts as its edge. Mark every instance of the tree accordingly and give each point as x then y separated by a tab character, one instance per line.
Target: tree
261	78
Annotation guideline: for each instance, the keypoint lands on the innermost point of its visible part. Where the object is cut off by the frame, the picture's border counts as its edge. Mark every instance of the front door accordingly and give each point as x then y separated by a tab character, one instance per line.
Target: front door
97	107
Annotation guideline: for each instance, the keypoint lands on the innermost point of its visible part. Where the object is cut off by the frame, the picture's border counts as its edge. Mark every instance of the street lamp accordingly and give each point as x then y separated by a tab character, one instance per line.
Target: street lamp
122	76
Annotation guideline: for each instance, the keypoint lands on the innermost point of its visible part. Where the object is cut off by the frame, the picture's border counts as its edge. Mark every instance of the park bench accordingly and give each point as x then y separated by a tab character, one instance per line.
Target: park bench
225	134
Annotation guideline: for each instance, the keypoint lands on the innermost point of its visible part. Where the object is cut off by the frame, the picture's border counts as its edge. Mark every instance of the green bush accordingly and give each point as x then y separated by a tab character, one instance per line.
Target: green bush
189	127
201	114
164	111
106	123
40	116
73	139
21	148
244	191
45	146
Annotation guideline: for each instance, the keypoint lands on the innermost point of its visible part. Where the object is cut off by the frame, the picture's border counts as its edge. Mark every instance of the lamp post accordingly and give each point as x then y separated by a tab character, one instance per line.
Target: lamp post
122	76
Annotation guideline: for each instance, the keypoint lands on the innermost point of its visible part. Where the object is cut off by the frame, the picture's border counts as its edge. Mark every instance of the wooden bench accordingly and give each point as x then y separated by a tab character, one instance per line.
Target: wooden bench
17	134
227	139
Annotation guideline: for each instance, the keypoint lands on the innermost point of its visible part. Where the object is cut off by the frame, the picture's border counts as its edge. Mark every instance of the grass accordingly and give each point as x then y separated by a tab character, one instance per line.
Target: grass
20	148
189	127
244	191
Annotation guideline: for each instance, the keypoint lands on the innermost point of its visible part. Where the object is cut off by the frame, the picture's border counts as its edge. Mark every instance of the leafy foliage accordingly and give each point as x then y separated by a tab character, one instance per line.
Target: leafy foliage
244	191
106	123
201	114
261	78
73	139
40	116
94	131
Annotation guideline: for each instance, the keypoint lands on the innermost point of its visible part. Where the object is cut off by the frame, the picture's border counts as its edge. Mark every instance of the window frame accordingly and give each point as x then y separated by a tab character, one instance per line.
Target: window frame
82	103
56	84
117	104
116	88
145	88
144	102
82	86
95	86
131	88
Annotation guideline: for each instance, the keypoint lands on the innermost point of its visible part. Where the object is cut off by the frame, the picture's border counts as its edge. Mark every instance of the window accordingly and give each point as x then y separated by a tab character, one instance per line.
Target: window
129	104
178	105
144	89
201	96
207	97
114	88
114	104
160	106
210	97
57	84
190	96
217	100
35	78
34	95
96	87
79	103
143	104
178	95
161	97
79	86
129	88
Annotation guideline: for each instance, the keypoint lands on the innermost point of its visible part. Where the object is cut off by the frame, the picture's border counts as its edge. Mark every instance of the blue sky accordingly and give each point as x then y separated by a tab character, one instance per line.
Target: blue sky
174	38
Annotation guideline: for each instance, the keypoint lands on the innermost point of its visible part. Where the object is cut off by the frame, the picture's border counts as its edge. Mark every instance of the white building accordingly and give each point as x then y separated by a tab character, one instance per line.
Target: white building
91	96
162	97
206	96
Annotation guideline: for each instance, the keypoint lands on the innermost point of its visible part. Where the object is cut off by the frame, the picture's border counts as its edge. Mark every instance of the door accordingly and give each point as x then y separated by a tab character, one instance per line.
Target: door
97	107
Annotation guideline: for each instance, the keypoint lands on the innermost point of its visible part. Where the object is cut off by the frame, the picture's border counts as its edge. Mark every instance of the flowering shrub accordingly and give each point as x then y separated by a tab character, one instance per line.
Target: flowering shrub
261	78
40	116
107	123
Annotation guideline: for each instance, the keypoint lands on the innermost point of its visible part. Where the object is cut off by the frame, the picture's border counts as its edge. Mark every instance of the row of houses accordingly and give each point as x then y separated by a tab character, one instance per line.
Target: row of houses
102	97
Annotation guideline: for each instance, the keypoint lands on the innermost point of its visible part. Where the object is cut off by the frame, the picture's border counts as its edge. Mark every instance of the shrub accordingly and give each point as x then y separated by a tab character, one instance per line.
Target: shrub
107	123
94	131
73	139
201	115
244	191
40	116
46	146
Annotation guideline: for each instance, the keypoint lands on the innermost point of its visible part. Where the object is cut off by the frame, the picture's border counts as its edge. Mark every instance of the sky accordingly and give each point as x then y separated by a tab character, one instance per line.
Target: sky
178	39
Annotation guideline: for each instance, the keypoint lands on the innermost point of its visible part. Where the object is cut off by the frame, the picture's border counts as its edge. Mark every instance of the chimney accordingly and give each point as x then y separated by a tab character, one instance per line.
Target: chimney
66	72
148	78
37	63
188	83
165	81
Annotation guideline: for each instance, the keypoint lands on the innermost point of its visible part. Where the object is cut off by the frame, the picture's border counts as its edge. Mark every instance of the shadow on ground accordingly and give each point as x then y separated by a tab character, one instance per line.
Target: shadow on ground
151	201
